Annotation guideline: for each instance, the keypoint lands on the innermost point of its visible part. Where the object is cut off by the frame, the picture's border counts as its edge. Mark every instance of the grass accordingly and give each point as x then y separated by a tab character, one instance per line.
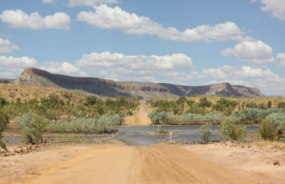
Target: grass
12	91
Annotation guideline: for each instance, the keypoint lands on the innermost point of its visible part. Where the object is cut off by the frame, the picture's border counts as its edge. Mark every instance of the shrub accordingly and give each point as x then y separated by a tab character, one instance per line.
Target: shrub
205	132
32	128
204	102
237	133
91	100
267	130
228	129
4	120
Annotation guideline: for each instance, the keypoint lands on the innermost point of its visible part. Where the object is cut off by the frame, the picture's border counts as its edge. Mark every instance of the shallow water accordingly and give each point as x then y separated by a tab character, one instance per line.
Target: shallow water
169	128
135	135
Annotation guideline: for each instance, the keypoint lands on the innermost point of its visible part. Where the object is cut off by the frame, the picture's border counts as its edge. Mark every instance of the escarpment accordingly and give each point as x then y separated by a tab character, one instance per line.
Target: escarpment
37	77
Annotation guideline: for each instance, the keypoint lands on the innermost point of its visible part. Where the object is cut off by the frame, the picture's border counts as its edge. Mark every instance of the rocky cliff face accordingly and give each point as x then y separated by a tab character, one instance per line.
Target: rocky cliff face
37	77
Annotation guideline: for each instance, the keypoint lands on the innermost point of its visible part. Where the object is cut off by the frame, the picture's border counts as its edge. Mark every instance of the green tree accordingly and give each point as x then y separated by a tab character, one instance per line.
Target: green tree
204	102
4	120
267	131
91	100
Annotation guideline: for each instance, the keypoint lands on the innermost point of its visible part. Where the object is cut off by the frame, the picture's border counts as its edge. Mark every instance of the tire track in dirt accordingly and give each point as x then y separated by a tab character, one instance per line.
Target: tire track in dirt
139	119
136	165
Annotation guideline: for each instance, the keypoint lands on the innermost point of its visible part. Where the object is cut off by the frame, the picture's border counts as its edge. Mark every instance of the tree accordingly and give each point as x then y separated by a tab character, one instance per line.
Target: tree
267	131
269	104
205	132
4	120
32	128
91	100
204	102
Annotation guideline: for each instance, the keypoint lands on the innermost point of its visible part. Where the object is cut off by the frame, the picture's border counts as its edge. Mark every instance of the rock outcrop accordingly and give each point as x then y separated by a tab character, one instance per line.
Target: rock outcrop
37	77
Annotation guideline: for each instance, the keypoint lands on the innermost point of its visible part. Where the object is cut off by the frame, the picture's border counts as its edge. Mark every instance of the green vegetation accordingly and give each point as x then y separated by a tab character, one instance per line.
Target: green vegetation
52	114
4	120
186	119
32	128
229	130
205	132
105	124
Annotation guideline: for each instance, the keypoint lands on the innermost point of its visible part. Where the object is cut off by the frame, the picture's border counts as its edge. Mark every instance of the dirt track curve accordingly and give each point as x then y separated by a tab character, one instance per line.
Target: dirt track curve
135	165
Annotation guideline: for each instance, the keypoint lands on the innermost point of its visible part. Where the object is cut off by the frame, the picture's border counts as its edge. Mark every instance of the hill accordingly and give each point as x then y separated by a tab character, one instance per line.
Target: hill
11	92
102	87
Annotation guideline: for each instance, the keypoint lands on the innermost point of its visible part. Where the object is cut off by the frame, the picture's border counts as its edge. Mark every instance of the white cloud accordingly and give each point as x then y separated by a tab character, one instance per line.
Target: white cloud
57	21
123	67
275	7
7	47
115	18
215	73
281	56
19	19
92	3
11	67
62	68
12	62
136	62
251	52
48	1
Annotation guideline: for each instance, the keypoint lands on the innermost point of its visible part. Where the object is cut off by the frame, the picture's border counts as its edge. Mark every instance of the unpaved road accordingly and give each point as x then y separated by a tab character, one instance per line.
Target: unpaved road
139	119
126	164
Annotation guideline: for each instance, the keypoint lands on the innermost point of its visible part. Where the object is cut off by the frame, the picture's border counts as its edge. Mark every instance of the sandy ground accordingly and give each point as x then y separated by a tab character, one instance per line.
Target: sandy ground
247	159
151	164
139	119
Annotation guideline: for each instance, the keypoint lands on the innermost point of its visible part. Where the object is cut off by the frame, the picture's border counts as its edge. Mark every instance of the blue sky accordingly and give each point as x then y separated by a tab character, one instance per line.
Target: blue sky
187	42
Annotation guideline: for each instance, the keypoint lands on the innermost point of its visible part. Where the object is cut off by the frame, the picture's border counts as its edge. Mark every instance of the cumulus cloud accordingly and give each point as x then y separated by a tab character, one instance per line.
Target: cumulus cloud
251	52
62	68
281	56
7	47
57	21
128	67
215	73
92	3
115	18
19	19
276	8
136	62
13	62
12	66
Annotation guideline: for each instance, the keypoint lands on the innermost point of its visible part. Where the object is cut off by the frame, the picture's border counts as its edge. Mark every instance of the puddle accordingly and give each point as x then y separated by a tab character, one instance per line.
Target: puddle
12	139
139	139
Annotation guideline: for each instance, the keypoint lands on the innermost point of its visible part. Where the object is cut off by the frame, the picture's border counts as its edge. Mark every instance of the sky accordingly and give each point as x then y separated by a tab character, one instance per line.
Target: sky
184	42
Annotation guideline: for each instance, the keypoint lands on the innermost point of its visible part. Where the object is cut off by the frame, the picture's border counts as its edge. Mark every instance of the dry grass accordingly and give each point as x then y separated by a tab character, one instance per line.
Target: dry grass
11	92
269	145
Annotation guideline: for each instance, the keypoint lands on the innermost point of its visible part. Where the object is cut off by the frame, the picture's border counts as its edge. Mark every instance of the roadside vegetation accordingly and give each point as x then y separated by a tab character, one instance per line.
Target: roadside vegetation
232	114
54	114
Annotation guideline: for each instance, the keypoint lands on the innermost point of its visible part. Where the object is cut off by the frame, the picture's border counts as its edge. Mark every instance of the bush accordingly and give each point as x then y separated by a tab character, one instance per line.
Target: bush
267	130
4	120
238	133
185	119
106	124
205	132
204	102
32	128
91	100
228	129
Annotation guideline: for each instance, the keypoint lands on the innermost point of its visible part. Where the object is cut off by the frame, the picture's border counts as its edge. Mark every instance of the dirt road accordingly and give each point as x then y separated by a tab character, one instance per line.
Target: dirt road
139	119
125	164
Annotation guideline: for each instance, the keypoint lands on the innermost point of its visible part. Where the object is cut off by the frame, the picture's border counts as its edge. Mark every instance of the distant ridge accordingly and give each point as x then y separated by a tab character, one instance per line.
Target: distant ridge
102	87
